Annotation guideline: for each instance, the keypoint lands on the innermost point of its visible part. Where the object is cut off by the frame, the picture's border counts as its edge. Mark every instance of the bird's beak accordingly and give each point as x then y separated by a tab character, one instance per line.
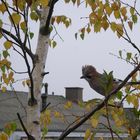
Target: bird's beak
82	77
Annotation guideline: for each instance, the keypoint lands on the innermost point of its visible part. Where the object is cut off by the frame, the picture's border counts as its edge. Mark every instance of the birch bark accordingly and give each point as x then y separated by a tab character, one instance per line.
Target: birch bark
33	112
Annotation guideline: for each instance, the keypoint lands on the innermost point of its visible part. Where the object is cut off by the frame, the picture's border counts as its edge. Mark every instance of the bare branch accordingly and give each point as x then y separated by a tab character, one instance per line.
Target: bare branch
24	128
112	131
43	109
108	121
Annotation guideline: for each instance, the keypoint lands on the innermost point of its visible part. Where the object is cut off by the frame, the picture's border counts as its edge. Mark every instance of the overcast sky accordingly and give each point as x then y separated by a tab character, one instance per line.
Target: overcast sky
65	61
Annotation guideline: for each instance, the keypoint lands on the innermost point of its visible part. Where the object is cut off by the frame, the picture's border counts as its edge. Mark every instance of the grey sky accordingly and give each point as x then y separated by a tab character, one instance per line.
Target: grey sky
65	61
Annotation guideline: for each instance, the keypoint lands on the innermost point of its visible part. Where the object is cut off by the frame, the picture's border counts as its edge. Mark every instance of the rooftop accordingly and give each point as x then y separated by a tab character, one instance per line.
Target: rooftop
12	103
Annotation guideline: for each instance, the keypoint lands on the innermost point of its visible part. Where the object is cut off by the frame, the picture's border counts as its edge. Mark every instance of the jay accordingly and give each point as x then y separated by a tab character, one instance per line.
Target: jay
101	83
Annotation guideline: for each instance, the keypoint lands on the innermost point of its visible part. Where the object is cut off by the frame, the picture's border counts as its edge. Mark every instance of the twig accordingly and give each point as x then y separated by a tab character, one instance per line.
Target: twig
112	131
30	137
57	34
44	108
108	121
18	98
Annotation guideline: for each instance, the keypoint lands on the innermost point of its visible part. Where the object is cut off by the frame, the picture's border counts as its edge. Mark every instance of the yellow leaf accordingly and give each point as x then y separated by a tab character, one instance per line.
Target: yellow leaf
120	111
115	6
20	4
83	30
3	89
28	83
58	19
113	26
1	35
23	25
3	136
105	25
119	30
68	105
6	81
67	23
87	134
44	3
88	29
129	99
117	14
94	122
7	45
16	18
10	76
135	101
123	11
2	8
108	10
118	122
57	114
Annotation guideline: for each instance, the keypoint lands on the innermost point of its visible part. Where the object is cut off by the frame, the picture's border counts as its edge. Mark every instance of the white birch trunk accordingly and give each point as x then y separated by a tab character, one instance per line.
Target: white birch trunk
33	112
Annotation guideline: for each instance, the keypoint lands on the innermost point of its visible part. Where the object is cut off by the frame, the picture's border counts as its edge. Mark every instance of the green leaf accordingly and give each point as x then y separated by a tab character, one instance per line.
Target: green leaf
54	44
7	44
129	55
31	35
5	54
97	27
23	26
10	128
3	68
51	29
119	95
82	36
1	23
134	18
120	53
132	10
34	16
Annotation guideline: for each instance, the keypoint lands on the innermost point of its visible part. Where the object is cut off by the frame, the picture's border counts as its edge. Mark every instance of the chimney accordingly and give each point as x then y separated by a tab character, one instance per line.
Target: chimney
74	94
44	96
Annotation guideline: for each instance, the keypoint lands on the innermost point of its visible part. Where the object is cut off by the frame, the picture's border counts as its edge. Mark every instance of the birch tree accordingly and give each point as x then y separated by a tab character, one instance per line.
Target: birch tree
18	38
118	16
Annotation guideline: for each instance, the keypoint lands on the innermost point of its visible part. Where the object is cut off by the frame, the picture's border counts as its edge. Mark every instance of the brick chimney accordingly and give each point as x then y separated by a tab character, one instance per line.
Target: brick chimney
74	94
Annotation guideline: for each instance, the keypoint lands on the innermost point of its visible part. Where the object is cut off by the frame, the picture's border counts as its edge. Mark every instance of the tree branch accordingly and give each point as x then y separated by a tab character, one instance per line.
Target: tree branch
45	30
99	106
24	128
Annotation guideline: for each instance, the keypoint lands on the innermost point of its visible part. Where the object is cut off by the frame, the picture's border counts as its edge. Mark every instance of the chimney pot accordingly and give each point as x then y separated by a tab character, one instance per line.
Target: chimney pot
74	94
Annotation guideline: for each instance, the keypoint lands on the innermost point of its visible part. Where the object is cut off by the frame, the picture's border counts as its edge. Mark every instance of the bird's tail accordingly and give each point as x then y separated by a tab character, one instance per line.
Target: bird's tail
128	83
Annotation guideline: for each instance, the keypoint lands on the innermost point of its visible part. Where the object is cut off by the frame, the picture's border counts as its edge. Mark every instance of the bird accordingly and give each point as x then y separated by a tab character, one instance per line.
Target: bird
101	83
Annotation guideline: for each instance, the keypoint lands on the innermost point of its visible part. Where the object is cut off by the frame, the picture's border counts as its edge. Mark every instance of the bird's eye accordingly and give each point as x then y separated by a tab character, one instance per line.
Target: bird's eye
89	77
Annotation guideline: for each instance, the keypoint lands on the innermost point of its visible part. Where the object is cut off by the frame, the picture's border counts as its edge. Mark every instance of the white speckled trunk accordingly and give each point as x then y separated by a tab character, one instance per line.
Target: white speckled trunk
33	112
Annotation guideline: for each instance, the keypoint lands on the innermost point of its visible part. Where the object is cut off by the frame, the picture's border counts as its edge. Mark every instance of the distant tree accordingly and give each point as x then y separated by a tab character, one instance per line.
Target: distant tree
119	16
